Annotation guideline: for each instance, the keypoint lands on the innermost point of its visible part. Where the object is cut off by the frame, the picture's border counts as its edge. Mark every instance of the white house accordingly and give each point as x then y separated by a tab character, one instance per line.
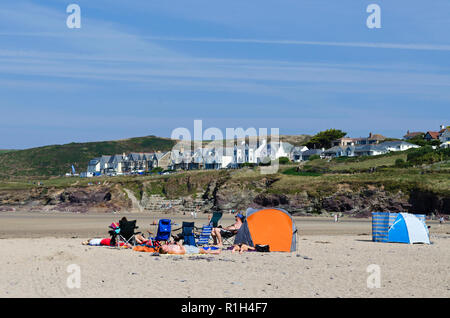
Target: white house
227	159
280	149
445	135
340	151
296	154
94	166
369	150
397	145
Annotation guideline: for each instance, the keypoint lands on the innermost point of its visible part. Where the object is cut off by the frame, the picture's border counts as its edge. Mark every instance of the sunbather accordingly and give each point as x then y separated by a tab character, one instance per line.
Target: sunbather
97	242
241	248
229	231
187	249
107	241
140	239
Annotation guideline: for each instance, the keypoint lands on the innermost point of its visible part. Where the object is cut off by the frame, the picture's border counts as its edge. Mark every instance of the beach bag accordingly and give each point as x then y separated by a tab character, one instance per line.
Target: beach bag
262	248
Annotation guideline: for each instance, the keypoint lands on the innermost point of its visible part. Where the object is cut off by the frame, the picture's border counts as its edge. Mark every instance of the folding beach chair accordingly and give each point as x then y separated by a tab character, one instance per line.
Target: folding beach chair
205	235
214	222
187	233
124	234
163	233
228	237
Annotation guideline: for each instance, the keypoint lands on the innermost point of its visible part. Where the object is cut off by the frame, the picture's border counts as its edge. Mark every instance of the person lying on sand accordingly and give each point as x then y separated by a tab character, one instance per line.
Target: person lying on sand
217	233
107	241
97	242
187	249
241	248
140	239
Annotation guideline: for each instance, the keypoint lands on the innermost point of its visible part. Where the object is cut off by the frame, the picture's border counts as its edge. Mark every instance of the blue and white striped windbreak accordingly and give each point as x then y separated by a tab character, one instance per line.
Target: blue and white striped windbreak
383	221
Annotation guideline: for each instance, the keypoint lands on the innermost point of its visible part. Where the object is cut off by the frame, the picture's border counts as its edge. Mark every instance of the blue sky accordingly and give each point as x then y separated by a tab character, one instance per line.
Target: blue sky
139	68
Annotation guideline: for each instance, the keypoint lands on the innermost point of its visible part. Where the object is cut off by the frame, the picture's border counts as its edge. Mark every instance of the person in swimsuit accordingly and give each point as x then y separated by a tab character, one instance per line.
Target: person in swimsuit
231	230
241	248
187	249
97	242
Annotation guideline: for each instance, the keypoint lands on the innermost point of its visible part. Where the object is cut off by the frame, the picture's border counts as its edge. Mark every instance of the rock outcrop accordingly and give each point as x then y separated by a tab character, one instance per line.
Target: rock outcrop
221	193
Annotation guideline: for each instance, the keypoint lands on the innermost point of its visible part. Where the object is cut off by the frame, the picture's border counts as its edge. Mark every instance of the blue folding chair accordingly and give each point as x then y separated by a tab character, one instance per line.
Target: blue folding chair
187	233
205	235
163	233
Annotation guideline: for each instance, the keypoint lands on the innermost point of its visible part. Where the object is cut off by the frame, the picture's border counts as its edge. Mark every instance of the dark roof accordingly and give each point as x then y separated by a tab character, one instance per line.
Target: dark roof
363	148
311	152
413	134
433	134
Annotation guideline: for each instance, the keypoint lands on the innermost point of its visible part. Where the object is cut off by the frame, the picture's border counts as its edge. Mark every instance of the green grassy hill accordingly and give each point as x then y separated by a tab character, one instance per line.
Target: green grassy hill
57	159
6	150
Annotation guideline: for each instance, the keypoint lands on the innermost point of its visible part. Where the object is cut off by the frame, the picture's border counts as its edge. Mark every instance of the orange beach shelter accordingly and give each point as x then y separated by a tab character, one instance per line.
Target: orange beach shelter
273	227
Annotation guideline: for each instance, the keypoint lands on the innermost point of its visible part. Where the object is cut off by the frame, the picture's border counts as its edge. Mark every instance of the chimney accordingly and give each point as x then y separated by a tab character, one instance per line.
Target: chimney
407	132
442	127
370	135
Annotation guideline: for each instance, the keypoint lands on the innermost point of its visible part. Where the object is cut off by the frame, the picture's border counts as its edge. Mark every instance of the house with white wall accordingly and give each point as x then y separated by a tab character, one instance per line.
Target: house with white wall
445	135
397	145
296	154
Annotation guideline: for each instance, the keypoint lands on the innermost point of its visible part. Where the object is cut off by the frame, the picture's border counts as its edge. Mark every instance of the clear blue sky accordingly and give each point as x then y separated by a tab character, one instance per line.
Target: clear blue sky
144	67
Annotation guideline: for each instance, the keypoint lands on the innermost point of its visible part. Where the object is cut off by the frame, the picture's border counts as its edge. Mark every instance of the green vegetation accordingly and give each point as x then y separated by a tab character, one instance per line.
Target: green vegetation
6	150
58	159
423	169
283	160
354	164
297	172
325	138
314	157
400	163
418	140
427	155
289	180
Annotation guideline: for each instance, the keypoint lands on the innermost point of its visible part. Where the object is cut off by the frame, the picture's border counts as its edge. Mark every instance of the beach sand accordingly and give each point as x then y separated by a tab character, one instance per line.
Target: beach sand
332	260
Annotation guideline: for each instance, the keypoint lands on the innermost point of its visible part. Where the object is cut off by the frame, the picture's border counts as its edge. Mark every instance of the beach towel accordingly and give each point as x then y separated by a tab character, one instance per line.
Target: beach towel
146	249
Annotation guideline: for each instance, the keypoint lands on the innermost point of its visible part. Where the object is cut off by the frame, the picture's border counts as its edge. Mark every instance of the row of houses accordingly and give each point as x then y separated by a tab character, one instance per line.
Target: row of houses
235	157
367	150
201	158
442	135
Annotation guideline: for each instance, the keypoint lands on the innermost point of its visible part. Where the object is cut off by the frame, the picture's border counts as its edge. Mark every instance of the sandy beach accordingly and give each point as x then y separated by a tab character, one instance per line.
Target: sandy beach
331	261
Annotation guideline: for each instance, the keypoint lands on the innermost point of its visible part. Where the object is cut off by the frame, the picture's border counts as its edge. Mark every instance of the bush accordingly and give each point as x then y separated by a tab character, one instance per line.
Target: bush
283	160
298	172
325	138
314	157
400	163
427	155
156	170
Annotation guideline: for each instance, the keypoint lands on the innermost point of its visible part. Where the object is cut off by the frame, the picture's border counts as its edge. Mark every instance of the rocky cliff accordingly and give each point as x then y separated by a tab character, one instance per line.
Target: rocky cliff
220	191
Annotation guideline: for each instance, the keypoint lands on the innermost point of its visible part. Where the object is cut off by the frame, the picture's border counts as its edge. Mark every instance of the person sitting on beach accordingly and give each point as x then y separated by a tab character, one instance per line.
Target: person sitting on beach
187	249
218	232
